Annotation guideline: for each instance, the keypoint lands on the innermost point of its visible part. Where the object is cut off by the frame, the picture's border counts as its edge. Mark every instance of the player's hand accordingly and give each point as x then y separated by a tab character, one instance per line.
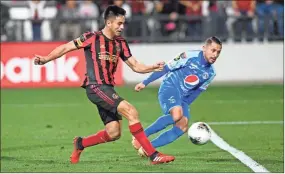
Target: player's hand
40	60
158	66
139	87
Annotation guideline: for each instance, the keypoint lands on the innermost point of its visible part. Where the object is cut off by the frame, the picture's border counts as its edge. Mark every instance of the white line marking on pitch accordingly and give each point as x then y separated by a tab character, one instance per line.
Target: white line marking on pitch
253	165
245	122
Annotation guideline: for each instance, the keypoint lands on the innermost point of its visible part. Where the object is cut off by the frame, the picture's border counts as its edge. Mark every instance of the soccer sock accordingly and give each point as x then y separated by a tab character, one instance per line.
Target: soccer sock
98	138
137	131
161	123
167	137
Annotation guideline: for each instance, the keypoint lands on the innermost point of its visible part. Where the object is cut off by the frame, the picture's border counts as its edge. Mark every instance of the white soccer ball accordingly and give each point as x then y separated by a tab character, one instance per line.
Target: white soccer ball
199	133
141	152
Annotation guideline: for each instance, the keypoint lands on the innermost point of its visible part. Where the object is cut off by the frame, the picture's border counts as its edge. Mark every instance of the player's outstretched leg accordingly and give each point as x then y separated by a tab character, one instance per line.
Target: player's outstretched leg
167	137
161	123
171	135
81	143
163	139
128	111
155	157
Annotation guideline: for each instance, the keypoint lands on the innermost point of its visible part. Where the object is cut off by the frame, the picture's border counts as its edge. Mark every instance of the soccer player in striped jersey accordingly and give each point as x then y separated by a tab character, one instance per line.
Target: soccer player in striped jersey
186	77
103	49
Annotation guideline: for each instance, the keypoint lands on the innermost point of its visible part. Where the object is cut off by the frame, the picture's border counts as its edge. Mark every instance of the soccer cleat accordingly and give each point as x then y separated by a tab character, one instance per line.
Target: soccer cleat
162	158
136	144
74	158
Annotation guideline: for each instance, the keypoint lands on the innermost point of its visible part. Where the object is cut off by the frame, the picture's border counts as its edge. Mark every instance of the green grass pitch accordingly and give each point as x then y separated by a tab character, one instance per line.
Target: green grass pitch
38	125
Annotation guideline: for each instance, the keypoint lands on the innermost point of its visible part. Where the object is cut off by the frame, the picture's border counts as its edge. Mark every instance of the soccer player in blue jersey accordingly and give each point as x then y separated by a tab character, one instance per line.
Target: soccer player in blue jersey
186	77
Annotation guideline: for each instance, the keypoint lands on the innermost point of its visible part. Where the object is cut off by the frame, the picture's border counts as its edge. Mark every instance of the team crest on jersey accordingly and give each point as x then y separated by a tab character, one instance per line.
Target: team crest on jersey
205	75
191	80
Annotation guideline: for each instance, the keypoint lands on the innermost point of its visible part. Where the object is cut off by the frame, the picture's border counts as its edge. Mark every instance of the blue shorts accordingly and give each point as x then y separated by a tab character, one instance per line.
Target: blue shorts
169	96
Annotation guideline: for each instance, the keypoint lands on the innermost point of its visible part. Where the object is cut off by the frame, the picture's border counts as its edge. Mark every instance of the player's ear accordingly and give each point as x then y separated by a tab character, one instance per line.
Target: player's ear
108	22
204	48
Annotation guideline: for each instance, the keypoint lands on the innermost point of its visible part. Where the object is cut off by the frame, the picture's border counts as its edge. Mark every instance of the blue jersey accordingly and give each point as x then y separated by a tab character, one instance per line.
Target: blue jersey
189	73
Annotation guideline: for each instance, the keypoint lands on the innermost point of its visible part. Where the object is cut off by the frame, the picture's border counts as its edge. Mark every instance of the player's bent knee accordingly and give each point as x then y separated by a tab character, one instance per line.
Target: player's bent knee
182	124
115	135
113	129
176	113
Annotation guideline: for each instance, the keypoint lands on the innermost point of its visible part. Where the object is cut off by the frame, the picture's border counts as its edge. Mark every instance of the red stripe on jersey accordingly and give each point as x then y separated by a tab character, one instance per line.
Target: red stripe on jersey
125	49
94	58
111	62
103	61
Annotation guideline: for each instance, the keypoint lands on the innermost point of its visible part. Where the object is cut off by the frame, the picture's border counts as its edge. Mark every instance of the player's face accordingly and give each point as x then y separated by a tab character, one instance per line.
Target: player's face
116	25
212	52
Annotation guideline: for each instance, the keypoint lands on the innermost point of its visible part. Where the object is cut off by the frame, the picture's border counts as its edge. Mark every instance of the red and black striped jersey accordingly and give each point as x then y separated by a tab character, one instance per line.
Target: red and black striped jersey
102	56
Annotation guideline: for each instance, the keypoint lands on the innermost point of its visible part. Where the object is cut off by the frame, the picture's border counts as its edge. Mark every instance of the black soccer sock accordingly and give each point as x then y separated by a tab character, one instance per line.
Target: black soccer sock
152	156
79	144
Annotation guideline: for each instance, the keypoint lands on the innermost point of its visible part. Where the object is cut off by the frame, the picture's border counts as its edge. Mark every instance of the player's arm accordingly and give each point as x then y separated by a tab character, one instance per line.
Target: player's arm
139	67
172	65
81	42
134	64
178	62
56	53
154	76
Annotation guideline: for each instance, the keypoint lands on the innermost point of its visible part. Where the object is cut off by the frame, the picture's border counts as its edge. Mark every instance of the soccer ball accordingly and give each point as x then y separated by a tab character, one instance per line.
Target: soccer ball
141	152
199	133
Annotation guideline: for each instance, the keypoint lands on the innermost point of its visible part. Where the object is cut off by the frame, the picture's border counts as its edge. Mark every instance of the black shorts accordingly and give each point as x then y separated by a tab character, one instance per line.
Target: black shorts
107	100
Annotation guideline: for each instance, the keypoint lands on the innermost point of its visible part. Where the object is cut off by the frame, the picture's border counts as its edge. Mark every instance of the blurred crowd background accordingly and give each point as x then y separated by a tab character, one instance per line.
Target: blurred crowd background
146	21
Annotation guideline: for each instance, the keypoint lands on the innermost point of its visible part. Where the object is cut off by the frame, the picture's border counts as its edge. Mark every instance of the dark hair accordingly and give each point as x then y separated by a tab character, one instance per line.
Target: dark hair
112	11
213	39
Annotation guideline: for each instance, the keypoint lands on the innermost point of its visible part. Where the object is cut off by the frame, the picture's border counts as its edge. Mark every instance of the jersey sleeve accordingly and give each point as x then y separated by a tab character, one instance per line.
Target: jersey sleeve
155	75
205	85
84	40
178	62
125	52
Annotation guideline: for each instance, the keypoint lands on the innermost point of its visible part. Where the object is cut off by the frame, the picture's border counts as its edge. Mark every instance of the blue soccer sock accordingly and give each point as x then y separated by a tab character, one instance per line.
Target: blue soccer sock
167	137
161	123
